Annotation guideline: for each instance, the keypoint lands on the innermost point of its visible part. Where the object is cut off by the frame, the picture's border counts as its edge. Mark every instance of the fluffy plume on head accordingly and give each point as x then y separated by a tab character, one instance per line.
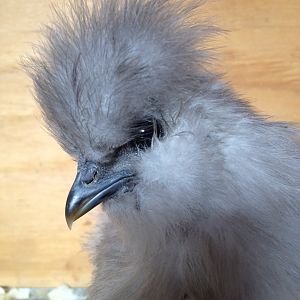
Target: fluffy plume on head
118	58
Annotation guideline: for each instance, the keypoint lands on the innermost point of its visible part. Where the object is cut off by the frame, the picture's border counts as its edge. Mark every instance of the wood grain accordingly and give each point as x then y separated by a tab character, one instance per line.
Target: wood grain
260	56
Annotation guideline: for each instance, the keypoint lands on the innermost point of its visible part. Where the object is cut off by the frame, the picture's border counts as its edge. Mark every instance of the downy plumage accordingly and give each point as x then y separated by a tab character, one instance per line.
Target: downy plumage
201	195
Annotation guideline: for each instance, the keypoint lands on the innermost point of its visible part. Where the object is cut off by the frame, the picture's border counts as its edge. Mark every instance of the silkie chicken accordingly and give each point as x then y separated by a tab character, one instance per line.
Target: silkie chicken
201	195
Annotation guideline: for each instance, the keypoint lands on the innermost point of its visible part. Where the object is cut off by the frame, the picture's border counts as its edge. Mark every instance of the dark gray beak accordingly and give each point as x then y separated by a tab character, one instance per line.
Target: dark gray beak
92	186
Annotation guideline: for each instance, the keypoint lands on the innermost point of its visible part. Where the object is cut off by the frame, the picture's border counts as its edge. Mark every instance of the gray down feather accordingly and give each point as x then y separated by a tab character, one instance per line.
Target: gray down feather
213	212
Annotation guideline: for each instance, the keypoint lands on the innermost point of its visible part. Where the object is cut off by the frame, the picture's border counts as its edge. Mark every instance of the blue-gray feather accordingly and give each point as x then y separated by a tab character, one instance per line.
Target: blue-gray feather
219	195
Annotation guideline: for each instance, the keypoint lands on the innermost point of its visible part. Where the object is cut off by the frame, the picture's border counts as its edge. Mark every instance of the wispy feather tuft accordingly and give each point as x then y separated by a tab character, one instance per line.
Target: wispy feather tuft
115	56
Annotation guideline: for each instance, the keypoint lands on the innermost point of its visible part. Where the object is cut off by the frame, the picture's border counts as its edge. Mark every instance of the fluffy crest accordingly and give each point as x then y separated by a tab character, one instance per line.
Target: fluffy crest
102	66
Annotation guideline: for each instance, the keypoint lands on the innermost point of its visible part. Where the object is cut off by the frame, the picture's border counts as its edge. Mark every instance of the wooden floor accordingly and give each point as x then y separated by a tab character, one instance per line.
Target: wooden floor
260	56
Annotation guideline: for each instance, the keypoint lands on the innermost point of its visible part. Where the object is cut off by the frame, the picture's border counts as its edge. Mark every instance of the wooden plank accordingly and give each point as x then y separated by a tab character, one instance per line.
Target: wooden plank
37	249
260	56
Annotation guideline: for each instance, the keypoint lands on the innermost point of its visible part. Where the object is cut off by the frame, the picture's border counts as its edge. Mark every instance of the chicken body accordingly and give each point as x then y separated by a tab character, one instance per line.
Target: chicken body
201	195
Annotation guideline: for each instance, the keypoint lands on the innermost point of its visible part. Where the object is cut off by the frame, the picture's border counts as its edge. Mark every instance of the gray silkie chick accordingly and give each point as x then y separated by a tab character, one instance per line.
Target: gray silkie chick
201	195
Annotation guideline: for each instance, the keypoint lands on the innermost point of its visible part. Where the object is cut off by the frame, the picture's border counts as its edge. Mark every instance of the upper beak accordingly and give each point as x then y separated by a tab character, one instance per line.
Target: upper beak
87	191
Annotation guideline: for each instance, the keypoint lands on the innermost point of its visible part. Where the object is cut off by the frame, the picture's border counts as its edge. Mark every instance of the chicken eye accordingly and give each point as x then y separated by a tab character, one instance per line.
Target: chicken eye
144	131
141	134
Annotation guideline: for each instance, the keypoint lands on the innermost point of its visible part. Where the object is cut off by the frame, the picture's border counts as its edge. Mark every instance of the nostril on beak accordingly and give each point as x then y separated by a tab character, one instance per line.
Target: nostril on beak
93	176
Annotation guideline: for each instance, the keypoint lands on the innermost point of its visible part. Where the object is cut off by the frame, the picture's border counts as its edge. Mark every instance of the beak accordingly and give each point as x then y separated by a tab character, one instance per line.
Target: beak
89	191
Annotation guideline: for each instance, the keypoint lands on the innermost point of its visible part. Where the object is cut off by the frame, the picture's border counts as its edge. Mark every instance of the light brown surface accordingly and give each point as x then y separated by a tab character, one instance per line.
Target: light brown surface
261	56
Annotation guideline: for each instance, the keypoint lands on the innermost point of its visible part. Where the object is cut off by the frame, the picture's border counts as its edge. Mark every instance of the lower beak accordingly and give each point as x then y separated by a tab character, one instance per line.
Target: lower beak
88	192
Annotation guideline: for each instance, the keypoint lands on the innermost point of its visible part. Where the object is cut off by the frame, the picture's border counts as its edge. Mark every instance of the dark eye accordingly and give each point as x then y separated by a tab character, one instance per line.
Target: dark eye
142	133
